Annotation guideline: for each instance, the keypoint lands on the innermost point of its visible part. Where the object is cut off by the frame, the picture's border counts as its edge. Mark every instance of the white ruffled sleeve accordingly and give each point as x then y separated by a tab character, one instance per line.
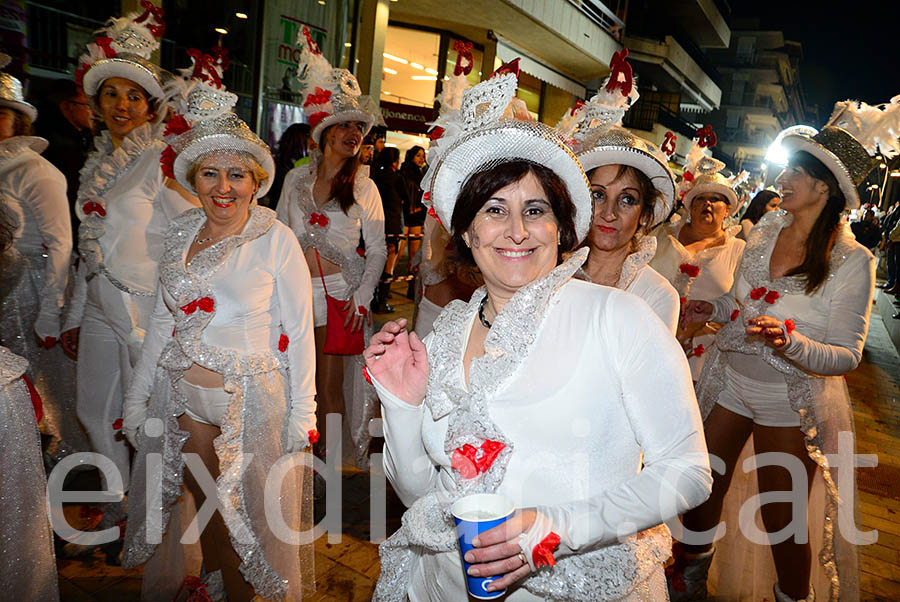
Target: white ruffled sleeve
658	398
45	192
373	235
159	331
848	321
293	287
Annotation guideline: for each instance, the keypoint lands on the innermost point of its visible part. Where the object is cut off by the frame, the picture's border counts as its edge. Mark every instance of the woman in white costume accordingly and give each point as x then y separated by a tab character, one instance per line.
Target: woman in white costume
506	395
125	205
698	255
795	322
35	192
228	366
330	204
633	190
27	563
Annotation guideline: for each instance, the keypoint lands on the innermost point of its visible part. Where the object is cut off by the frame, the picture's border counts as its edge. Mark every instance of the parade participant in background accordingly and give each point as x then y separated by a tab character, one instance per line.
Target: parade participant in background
762	203
489	401
795	323
231	346
35	193
698	255
394	196
292	151
329	204
633	190
414	211
27	565
125	204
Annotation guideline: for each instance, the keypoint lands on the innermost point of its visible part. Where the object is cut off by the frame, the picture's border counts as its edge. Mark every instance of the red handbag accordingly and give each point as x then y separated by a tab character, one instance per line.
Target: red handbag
339	340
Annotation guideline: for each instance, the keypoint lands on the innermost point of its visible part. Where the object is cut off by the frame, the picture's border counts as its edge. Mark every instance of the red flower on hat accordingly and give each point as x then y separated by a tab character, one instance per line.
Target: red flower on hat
464	52
319	97
316	118
578	105
757	293
157	13
167	162
771	297
283	342
104	43
735	314
789	326
688	176
542	554
619	66
689	269
470	461
176	125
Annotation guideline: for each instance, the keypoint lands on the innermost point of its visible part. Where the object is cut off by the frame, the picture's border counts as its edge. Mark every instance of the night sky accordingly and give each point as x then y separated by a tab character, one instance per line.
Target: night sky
846	54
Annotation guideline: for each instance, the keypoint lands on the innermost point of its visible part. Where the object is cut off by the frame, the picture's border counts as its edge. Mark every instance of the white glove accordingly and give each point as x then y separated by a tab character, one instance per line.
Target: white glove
47	323
134	414
301	428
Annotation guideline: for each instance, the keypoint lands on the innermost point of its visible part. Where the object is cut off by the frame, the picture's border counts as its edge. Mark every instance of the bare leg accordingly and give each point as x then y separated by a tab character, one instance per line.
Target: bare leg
400	246
792	559
391	258
414	243
726	434
214	541
329	385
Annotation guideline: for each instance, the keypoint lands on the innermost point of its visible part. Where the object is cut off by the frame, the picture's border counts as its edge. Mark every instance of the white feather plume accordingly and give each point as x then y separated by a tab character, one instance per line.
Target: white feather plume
877	128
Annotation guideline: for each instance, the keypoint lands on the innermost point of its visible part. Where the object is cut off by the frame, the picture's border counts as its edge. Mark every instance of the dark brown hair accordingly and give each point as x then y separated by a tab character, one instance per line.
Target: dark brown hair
21	122
821	238
342	183
488	180
757	207
649	194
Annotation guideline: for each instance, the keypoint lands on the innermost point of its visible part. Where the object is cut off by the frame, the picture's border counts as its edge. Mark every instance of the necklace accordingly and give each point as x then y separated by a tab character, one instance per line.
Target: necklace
484	321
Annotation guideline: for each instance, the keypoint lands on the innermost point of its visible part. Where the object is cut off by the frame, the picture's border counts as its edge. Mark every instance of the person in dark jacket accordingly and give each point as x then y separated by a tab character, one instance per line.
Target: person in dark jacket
394	195
866	231
414	211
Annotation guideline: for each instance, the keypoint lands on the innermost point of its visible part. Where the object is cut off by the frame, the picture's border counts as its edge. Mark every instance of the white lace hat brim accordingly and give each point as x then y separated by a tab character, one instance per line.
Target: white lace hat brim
660	176
716	188
350	115
508	141
223	143
795	142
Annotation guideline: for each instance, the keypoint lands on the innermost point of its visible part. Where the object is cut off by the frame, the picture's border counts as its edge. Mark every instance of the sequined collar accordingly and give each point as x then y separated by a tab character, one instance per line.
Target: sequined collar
761	244
646	249
12	148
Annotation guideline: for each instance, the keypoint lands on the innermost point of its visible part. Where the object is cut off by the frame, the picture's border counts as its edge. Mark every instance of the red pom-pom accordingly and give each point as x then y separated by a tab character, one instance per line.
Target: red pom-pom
735	314
789	326
283	343
176	125
167	162
117	425
689	269
313	436
757	293
771	297
699	350
542	554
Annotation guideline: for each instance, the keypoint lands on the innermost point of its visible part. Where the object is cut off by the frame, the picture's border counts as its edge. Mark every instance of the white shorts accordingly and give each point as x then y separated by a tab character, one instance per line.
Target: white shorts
204	404
337	287
764	402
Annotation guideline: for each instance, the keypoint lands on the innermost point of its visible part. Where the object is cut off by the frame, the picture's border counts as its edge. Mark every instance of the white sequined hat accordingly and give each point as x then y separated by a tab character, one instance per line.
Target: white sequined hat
330	95
123	50
848	143
481	135
11	94
204	123
701	174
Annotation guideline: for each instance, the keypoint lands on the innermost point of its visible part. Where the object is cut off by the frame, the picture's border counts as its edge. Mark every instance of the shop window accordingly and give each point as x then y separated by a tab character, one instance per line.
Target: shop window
556	102
410	66
530	91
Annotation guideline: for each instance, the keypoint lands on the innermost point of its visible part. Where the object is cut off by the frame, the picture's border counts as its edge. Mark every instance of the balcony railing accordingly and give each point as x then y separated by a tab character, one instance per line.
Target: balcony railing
602	16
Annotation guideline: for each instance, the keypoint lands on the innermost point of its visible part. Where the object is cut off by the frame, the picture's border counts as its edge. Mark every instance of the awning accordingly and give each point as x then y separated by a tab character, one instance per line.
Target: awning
507	51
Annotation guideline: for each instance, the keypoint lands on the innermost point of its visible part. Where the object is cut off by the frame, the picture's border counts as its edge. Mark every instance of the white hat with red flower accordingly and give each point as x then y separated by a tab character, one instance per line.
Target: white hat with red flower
123	50
330	95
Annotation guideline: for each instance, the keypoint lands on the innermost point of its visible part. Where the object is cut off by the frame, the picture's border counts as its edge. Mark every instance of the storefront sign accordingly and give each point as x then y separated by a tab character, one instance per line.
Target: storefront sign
407	118
289	27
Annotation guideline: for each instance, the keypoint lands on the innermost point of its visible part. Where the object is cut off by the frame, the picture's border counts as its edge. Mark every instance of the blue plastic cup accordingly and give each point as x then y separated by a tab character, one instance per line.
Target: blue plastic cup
476	514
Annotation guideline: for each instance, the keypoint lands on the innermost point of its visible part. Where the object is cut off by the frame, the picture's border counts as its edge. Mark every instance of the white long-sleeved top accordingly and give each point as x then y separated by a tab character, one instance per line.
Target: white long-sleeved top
338	238
831	323
35	191
596	444
262	291
138	207
659	294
